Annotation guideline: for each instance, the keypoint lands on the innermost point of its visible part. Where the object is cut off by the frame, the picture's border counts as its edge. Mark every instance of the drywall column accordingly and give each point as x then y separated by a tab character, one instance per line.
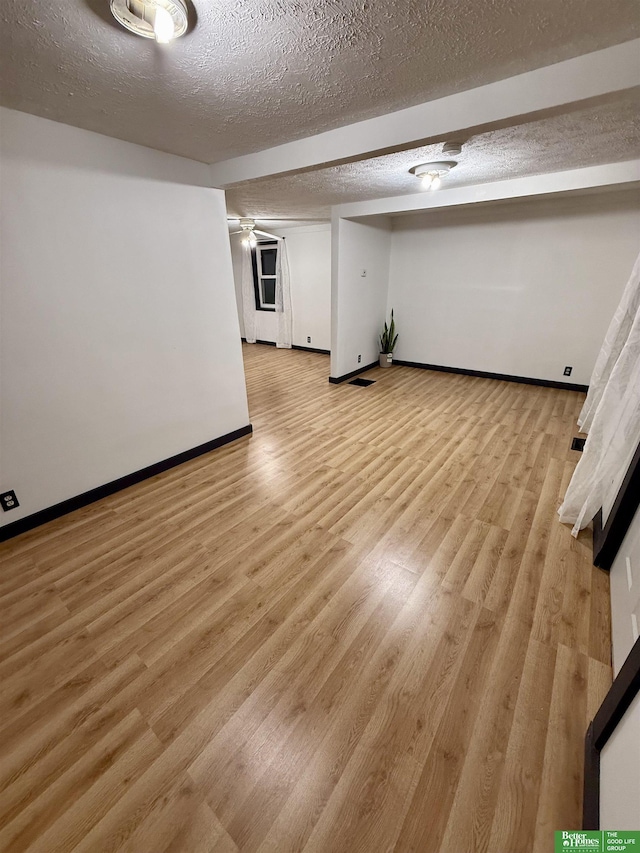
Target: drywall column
119	331
360	252
309	252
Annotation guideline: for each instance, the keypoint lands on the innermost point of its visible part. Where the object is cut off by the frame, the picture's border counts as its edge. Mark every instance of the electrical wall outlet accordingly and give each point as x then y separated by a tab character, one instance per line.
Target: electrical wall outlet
567	371
8	500
308	339
359	359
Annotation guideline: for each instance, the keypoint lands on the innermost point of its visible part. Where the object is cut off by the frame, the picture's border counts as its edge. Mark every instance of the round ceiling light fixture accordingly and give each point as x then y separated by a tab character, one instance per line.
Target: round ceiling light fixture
431	174
162	20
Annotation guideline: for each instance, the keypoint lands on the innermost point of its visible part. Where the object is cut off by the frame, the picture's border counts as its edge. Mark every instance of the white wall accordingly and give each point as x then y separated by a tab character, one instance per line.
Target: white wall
625	594
119	331
620	773
309	253
358	302
620	756
522	288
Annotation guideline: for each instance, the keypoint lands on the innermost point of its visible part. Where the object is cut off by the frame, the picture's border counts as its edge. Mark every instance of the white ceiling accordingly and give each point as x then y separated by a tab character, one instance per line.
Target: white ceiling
252	75
256	73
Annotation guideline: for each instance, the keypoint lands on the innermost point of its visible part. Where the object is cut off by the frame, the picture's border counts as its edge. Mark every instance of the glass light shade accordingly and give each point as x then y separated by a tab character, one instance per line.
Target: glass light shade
431	174
162	20
163	26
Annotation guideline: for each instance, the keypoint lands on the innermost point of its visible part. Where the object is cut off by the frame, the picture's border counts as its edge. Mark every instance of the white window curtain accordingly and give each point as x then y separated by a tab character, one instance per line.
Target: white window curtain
283	298
248	295
610	415
284	321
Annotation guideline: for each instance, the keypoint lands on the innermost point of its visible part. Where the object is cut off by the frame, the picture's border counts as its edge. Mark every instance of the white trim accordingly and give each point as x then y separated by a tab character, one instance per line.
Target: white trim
305	229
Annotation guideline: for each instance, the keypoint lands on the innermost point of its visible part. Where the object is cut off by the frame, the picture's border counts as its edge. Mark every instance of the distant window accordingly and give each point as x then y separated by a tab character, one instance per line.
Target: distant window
263	258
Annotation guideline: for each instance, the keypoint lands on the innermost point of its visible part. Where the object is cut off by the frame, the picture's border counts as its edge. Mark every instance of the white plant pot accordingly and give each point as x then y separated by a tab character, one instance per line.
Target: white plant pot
386	359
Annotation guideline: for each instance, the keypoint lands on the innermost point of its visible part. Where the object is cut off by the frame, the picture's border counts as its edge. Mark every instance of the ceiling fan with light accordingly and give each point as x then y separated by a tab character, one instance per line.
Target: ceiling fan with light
248	228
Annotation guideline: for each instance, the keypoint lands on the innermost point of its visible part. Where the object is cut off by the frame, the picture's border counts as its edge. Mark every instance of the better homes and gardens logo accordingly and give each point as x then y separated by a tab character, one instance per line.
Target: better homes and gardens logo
579	840
597	841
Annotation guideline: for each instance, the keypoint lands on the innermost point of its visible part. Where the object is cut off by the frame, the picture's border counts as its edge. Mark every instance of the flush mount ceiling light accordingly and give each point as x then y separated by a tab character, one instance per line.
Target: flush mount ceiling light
162	20
432	174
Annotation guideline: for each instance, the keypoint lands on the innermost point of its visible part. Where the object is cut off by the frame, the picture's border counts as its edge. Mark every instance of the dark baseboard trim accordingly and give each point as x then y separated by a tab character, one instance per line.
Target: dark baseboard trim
336	380
312	349
293	346
591	785
504	377
483	374
86	498
621	694
599	550
607	539
264	343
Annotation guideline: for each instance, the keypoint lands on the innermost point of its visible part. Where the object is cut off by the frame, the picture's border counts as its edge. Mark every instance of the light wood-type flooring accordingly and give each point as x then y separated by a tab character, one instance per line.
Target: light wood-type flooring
360	630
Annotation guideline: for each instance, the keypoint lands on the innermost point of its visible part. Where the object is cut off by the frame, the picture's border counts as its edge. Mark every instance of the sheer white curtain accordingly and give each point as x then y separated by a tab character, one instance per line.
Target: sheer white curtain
614	341
248	295
610	415
284	317
283	297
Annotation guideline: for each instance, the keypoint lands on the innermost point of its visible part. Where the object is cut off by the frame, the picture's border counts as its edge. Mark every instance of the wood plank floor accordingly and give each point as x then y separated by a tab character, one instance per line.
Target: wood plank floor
362	629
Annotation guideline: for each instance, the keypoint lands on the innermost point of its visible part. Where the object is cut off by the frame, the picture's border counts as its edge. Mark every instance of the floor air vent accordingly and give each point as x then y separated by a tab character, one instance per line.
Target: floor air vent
363	383
578	444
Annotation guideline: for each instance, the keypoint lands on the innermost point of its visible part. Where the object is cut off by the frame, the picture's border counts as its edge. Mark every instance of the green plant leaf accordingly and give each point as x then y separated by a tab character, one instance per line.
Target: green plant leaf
388	337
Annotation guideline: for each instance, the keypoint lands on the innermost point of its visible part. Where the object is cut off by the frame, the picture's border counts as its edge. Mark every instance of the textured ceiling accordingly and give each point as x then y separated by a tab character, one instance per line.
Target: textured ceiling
255	73
607	133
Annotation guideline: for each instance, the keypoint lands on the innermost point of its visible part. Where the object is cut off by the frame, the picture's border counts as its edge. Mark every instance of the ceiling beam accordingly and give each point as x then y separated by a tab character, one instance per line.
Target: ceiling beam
593	75
590	178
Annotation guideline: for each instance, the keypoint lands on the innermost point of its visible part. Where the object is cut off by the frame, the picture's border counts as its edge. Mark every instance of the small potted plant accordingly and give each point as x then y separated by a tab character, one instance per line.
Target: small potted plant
388	340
